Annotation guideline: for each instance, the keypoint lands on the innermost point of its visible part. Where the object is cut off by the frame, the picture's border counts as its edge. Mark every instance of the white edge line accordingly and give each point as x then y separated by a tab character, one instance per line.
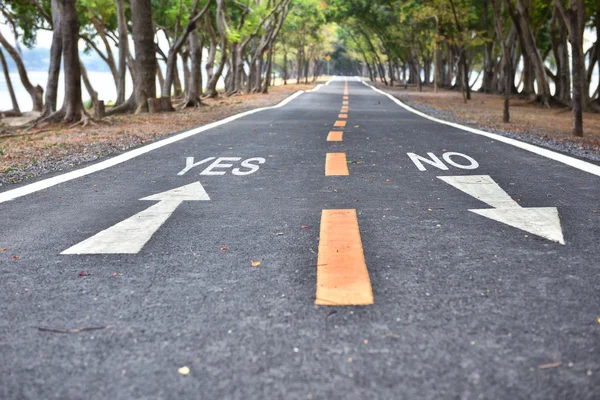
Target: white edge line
46	183
319	86
571	161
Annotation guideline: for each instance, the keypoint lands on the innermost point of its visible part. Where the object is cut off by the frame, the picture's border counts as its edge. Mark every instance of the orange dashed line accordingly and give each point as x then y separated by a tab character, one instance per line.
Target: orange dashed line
343	116
340	124
336	165
335	136
344	109
342	275
345	97
345	102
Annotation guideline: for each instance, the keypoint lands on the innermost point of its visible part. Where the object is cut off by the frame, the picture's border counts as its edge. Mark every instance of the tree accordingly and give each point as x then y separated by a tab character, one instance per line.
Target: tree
574	19
15	110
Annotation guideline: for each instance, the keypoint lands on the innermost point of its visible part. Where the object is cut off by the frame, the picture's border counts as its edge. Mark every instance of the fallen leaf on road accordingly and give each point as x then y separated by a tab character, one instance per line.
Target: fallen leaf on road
115	274
84	274
3	249
184	370
76	330
388	180
552	365
357	126
15	257
255	263
224	248
305	226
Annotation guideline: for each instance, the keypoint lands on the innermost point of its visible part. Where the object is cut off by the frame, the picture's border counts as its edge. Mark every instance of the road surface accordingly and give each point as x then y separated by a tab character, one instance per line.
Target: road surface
329	248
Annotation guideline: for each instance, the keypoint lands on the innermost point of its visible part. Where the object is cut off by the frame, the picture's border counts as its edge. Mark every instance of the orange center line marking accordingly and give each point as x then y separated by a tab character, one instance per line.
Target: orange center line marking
345	102
343	116
342	275
340	124
345	97
336	165
335	136
344	109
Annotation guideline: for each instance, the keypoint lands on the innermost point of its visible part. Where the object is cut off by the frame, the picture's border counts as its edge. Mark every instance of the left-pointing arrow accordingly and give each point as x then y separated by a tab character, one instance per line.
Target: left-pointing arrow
130	235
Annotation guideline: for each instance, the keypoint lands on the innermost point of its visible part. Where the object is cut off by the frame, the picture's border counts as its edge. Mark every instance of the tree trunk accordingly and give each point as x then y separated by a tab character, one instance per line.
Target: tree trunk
522	22
238	62
108	58
285	66
55	61
145	55
265	88
212	49
211	88
73	108
195	85
488	64
36	92
437	55
11	92
506	56
177	87
88	86
159	75
559	36
185	58
299	67
574	18
306	68
172	75
123	51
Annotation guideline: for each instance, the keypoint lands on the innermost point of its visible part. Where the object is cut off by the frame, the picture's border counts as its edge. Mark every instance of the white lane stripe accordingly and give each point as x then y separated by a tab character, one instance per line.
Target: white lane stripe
571	161
483	188
46	183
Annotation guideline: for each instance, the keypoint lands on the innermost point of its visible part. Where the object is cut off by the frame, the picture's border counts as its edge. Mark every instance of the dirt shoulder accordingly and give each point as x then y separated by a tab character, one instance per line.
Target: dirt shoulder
547	127
58	147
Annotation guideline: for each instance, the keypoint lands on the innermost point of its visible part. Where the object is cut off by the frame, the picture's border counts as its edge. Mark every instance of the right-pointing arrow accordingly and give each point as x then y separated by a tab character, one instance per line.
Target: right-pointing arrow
540	221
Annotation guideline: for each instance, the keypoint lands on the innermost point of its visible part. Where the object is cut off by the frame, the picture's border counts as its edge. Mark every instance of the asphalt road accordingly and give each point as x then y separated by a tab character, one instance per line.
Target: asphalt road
464	306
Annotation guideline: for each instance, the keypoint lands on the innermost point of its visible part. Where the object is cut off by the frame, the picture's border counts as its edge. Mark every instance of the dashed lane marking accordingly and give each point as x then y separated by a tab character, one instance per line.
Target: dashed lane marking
342	275
343	116
335	136
345	102
336	165
340	124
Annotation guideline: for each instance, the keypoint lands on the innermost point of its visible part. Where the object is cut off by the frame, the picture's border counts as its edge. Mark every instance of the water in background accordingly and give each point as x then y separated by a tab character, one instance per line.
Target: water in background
102	82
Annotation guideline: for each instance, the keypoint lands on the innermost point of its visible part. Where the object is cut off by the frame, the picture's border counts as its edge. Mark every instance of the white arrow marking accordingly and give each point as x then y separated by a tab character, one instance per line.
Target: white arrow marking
540	221
130	235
